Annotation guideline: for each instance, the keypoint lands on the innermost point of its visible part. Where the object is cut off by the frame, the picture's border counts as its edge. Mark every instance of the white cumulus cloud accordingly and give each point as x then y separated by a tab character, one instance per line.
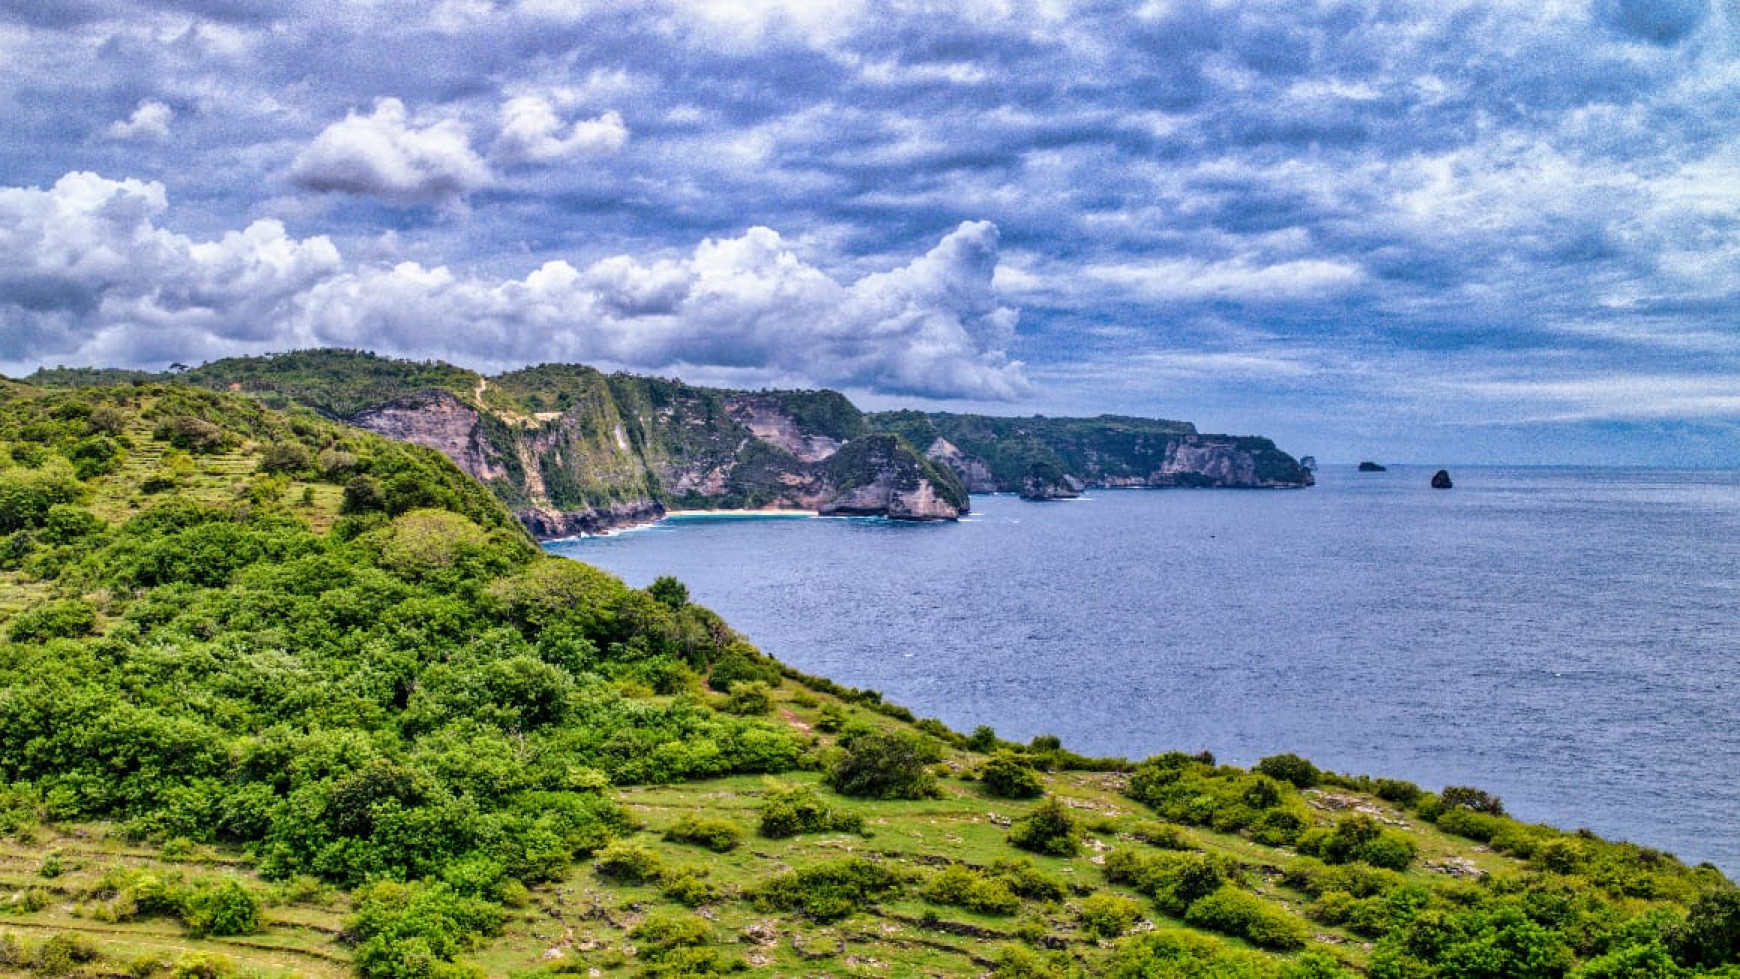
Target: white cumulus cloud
531	132
387	154
88	276
149	121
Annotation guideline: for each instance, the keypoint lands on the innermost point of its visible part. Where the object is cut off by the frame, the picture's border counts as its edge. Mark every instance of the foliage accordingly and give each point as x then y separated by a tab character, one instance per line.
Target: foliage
1241	913
787	810
964	887
1173	880
1049	829
829	891
1711	933
717	835
1108	915
1007	775
885	764
403	931
1290	768
1186	789
1359	837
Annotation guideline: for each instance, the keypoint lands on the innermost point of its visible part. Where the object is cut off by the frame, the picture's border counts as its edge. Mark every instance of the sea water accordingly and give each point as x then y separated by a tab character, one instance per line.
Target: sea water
1568	639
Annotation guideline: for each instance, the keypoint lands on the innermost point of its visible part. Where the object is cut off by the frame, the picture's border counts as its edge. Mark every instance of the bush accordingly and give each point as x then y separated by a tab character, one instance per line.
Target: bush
412	931
1173	880
1359	837
1009	776
1162	835
688	885
788	810
1475	800
750	699
714	834
222	909
964	887
1026	881
1108	915
628	863
55	620
1235	912
828	891
1710	936
1402	793
1290	768
1049	829
885	765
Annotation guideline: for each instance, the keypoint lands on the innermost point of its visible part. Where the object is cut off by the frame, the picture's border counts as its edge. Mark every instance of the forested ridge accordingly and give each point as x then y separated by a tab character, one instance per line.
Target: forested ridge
278	696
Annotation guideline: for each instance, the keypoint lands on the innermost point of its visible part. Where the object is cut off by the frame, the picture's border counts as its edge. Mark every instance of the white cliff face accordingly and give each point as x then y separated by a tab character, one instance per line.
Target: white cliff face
439	421
1219	463
775	427
974	474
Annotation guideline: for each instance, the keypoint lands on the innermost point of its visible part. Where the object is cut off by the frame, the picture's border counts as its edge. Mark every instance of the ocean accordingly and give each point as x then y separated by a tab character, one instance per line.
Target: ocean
1566	638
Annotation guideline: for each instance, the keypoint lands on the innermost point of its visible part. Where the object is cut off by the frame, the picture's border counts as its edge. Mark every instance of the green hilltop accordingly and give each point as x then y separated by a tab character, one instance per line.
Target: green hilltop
282	697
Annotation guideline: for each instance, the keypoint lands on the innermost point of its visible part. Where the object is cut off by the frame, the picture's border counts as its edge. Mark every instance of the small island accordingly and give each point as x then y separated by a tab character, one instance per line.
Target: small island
1441	479
1372	467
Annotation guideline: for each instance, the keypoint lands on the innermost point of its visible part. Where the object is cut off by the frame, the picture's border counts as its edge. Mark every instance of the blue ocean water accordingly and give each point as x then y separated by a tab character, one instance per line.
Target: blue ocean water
1566	638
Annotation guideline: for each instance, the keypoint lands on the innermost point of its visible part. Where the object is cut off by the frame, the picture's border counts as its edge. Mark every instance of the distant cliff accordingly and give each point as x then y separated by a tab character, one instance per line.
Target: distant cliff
573	450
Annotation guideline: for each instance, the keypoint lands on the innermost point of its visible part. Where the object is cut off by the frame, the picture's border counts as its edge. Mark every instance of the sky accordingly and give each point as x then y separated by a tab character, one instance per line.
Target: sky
1430	232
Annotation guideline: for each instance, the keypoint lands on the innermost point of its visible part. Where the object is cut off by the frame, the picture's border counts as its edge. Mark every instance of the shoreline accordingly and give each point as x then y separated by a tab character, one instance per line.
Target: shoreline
758	513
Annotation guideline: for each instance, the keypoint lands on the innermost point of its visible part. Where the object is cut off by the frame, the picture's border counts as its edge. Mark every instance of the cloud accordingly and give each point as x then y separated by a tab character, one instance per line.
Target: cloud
87	272
1655	21
531	132
386	155
149	121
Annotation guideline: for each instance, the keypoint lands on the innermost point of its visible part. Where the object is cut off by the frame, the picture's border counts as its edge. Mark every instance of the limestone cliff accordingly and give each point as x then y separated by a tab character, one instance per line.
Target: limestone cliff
573	450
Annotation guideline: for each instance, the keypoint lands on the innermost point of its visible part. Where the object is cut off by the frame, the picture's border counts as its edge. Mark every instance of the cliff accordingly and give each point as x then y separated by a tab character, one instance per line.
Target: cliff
572	450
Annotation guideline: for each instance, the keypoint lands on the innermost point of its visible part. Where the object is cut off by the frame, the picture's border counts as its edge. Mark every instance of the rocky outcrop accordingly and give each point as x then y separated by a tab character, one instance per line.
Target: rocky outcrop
1372	467
972	472
546	523
1047	482
882	475
1441	479
440	421
765	417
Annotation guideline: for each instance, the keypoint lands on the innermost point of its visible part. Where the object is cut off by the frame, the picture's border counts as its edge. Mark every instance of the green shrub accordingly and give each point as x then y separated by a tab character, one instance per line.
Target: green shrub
1009	776
1710	936
717	835
1108	915
1472	799
688	885
1016	962
964	887
1402	793
1162	835
1478	826
1027	881
750	699
54	620
1049	829
221	909
628	863
829	891
885	765
1290	768
983	740
740	663
662	931
1235	912
1359	837
787	810
409	931
1174	880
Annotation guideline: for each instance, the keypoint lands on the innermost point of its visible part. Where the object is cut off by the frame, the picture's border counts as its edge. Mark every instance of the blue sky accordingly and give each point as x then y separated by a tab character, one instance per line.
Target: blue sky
1429	232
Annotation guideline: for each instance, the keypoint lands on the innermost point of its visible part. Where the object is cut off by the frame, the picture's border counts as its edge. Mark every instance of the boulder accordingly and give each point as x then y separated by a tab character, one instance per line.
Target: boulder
1441	479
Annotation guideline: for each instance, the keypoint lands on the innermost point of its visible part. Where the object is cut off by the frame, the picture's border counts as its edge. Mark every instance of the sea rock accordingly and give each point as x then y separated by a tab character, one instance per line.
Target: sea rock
1045	481
1372	467
881	475
1308	463
1441	479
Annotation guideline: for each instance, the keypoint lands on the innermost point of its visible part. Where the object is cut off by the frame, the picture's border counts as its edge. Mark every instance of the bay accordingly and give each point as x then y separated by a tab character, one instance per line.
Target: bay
1566	638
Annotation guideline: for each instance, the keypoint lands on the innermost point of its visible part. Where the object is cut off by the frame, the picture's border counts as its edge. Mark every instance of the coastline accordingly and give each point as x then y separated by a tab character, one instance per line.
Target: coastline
757	513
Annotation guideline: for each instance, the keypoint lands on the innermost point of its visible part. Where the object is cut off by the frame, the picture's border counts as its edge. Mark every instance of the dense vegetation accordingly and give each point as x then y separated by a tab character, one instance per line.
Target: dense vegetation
280	696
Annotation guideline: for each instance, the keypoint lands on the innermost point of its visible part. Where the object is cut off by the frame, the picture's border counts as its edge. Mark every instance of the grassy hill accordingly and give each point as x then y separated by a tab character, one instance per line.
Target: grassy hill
280	697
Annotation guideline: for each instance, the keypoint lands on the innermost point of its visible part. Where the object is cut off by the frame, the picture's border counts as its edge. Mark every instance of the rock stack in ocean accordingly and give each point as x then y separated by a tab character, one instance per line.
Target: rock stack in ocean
1372	467
1441	479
